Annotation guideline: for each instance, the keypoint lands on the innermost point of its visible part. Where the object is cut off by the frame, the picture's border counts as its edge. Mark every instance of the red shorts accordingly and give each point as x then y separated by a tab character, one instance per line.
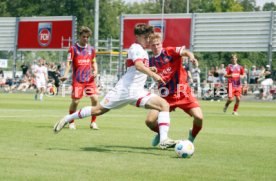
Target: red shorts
79	88
184	102
234	91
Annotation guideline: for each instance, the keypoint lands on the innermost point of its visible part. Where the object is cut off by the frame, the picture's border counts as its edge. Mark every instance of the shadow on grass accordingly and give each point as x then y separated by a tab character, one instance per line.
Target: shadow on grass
45	126
122	149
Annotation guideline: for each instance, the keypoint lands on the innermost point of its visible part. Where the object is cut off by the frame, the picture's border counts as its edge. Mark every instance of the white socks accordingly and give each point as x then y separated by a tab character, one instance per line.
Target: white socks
82	113
164	124
41	96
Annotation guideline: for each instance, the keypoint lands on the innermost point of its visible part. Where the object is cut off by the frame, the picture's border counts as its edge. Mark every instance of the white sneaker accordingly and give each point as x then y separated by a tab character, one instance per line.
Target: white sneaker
60	124
72	126
168	143
235	113
94	126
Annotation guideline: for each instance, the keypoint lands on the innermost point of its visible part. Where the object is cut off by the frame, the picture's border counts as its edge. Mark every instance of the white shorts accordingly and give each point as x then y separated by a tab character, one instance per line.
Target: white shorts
267	82
40	84
116	98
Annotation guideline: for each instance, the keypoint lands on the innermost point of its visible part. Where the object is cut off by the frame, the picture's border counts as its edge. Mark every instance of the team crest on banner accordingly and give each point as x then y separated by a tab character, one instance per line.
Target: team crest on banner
44	34
159	27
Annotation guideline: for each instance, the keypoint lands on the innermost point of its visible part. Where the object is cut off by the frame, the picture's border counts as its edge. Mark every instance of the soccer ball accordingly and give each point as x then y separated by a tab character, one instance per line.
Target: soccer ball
184	149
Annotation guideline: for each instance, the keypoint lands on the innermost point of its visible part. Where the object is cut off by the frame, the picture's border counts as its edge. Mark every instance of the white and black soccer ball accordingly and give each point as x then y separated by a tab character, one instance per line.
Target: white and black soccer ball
184	149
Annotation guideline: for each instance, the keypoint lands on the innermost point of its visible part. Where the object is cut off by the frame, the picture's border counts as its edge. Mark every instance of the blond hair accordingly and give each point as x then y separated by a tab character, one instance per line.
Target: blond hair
155	36
234	56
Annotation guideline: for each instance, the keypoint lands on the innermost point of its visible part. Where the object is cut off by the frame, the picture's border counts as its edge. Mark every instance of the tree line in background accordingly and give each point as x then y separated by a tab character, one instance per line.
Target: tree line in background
110	11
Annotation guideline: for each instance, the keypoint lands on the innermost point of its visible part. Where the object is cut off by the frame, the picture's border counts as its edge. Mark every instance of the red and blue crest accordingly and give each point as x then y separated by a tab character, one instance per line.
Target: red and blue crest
159	26
44	34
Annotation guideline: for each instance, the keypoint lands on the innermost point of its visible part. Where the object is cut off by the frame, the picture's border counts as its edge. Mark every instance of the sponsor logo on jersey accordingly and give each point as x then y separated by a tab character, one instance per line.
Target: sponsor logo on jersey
44	34
83	61
166	71
166	59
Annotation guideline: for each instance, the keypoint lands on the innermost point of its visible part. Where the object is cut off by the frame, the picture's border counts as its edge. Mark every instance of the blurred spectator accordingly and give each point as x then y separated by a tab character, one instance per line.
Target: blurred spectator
267	82
51	70
216	75
2	79
244	79
261	74
186	65
15	82
8	84
56	76
196	74
245	88
24	84
252	75
210	78
1	73
24	68
221	72
61	68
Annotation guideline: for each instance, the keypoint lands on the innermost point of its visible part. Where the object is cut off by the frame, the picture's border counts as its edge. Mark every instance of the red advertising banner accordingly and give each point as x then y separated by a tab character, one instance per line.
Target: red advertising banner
176	32
44	34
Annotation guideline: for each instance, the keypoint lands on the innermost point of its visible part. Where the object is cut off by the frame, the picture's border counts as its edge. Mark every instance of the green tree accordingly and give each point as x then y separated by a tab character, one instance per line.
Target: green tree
269	6
227	6
248	5
28	8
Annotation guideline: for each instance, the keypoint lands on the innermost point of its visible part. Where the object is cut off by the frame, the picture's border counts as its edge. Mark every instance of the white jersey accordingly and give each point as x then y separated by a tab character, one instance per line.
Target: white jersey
134	79
130	88
40	73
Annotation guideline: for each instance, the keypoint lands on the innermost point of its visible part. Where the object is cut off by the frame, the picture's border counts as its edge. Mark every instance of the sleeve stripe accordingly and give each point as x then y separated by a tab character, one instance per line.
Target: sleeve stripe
138	60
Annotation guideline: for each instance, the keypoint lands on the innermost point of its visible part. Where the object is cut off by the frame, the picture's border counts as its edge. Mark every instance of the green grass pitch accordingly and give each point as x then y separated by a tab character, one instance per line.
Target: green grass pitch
228	148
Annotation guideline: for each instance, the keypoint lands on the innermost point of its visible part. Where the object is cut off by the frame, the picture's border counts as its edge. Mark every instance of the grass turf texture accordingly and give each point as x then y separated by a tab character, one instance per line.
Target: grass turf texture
228	148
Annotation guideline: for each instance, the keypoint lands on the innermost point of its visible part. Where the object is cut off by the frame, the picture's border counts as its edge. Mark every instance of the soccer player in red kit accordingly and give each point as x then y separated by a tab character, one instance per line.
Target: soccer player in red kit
234	73
82	57
167	62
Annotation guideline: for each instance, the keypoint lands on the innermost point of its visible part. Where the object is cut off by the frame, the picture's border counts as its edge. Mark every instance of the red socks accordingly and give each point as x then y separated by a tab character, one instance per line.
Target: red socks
236	106
93	119
71	112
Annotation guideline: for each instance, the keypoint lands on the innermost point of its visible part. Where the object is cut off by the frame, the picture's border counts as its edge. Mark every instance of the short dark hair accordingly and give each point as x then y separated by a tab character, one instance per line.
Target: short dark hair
143	29
85	29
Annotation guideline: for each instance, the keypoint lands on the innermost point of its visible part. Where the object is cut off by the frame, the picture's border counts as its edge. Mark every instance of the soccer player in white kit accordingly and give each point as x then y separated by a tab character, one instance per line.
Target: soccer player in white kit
41	77
130	89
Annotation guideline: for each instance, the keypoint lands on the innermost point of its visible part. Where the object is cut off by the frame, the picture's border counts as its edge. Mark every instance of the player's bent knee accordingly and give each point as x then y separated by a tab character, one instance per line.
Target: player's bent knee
198	118
164	105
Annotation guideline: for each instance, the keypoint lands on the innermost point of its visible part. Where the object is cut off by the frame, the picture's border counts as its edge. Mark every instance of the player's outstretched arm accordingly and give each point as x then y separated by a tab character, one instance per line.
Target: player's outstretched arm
67	69
153	69
142	68
191	56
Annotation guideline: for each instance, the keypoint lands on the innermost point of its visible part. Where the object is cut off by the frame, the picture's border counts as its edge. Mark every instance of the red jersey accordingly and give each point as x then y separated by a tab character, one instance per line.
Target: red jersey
82	59
169	67
236	71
